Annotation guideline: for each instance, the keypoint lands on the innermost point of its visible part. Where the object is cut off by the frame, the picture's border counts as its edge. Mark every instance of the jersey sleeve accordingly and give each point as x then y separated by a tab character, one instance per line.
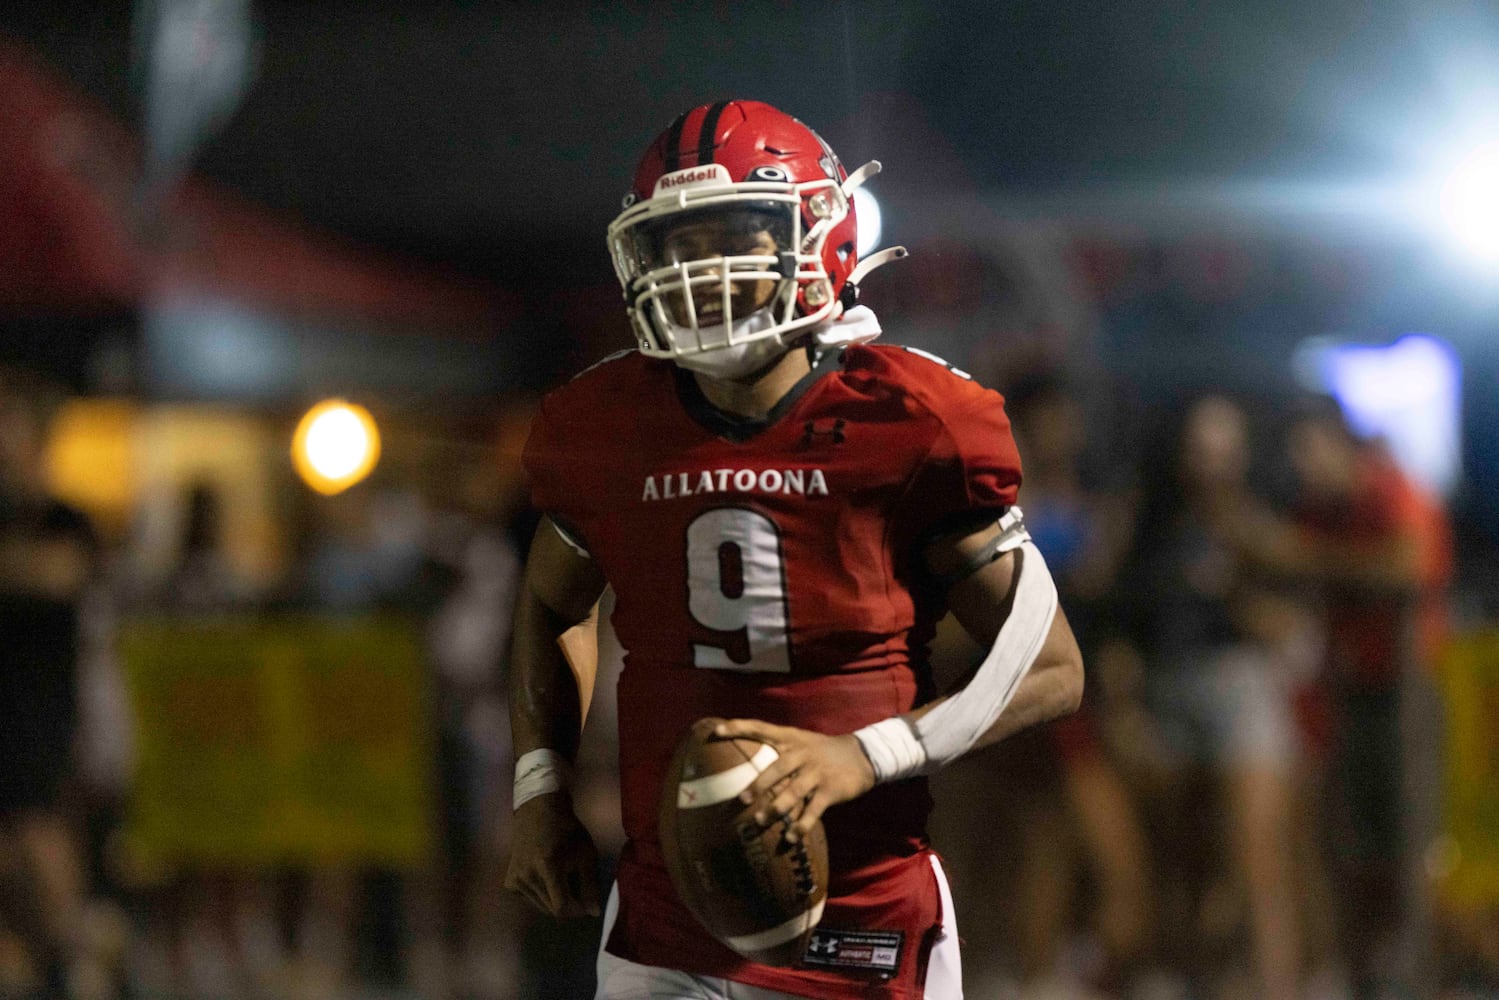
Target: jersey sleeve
972	467
555	467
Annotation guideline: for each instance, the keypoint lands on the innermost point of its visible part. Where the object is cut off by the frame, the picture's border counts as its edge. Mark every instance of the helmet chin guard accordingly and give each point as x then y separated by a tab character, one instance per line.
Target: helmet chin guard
770	228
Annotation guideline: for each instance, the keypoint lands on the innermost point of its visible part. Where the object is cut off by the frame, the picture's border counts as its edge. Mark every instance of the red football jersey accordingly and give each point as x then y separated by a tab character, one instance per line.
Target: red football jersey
770	569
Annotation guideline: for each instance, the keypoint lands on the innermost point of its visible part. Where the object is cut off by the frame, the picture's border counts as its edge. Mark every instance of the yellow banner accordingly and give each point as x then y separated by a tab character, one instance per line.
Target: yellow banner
285	740
1470	688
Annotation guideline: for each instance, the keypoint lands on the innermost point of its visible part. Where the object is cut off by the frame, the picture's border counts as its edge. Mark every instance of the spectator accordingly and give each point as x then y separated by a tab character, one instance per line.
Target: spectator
1079	823
1215	685
203	582
219	918
465	933
1381	554
48	556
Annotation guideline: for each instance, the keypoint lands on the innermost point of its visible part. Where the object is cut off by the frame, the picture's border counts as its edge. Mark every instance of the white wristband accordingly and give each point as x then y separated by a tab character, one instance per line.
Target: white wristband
540	772
893	749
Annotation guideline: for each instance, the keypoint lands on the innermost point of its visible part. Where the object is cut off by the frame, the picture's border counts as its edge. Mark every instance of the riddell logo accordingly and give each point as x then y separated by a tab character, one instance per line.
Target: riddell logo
713	174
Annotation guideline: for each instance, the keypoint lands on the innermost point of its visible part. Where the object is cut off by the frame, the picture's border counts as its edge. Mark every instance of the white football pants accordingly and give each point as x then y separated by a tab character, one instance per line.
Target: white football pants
623	980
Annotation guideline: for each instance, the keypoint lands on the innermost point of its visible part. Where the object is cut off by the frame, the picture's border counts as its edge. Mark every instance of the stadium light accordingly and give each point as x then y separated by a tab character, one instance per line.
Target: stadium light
1470	205
868	212
335	446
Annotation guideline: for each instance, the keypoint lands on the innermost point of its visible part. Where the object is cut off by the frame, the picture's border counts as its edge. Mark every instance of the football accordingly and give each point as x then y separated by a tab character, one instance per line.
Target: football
757	894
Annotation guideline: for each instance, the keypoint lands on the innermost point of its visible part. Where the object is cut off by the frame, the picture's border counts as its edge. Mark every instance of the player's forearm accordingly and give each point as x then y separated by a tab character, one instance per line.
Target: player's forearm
1010	603
1050	689
546	694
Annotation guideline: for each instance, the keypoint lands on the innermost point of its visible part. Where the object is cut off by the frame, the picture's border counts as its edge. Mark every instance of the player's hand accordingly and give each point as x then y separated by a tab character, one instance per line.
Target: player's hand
553	863
812	772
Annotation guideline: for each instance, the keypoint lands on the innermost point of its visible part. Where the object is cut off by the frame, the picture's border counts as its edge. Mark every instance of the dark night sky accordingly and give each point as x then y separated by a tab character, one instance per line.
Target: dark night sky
467	132
497	138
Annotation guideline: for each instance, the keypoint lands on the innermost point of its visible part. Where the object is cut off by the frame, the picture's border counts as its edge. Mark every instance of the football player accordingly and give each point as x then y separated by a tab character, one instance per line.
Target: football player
783	511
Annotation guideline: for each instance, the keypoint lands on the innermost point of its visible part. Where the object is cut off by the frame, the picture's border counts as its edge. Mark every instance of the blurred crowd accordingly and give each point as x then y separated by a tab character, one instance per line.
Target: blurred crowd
1248	805
1245	801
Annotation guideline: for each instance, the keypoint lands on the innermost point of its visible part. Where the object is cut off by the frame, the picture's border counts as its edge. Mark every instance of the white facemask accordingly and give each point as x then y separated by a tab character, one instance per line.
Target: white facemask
737	359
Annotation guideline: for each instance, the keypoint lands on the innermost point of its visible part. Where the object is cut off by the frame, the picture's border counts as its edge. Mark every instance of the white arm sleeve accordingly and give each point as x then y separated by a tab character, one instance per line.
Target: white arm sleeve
899	748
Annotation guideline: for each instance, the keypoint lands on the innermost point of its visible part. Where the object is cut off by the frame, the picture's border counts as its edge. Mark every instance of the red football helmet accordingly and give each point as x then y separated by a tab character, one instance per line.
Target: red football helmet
736	208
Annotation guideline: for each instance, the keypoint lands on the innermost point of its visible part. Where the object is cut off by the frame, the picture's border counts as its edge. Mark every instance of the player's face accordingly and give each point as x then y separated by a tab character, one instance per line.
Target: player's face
711	237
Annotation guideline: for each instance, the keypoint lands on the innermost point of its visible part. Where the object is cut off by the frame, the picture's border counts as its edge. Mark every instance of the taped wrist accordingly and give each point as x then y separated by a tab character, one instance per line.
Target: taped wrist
540	772
893	749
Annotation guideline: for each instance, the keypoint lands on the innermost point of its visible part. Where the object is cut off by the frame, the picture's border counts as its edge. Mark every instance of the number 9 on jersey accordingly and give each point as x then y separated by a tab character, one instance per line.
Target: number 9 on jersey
736	583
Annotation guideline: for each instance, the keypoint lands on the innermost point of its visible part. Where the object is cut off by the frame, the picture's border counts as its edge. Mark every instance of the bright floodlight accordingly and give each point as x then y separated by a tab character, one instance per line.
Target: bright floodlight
868	212
336	445
1470	204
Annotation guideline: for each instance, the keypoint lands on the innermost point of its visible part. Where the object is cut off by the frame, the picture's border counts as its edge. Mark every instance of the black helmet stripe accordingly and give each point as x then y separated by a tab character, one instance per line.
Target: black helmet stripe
673	151
706	135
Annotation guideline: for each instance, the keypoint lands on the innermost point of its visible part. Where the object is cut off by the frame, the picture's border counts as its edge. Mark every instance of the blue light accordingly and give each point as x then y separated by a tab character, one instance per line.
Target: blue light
1408	394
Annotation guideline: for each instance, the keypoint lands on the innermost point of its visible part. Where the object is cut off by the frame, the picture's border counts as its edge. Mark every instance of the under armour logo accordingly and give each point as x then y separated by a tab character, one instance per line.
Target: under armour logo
820	945
818	428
